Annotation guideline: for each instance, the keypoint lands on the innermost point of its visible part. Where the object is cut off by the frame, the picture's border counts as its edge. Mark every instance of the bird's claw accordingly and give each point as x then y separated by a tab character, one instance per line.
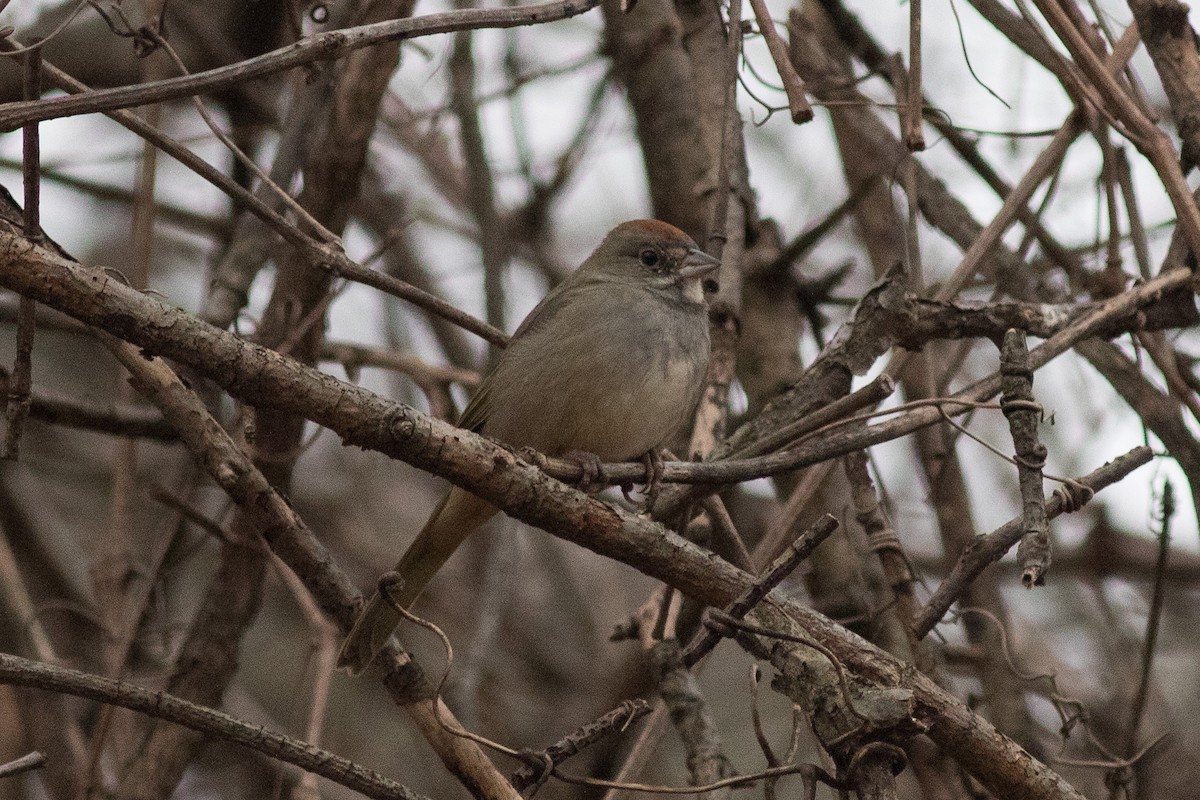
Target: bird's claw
591	467
653	461
533	456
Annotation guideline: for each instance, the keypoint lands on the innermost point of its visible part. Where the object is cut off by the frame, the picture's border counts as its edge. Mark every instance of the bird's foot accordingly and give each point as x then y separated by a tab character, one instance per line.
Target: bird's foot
532	456
592	468
653	461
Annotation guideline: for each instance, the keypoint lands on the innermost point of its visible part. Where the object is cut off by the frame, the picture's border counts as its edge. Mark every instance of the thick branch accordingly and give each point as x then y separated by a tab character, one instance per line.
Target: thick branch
260	376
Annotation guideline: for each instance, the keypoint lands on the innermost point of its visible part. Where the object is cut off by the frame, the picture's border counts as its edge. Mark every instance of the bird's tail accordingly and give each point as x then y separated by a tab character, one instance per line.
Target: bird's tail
459	513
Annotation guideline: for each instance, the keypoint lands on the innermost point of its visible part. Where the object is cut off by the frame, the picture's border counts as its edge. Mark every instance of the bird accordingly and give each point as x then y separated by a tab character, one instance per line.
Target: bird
608	367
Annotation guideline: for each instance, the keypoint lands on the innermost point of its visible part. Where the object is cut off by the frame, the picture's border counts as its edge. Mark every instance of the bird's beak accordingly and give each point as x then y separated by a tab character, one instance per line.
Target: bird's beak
697	264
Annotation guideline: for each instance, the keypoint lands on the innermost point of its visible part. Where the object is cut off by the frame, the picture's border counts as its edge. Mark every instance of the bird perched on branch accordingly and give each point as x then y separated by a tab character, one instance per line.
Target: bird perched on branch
608	367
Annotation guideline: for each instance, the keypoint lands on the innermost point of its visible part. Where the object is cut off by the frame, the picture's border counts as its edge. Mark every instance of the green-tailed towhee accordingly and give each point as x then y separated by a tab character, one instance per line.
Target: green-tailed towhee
612	363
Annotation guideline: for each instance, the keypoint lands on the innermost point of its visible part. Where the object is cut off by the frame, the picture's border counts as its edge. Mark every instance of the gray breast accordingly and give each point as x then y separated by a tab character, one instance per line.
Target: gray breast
615	385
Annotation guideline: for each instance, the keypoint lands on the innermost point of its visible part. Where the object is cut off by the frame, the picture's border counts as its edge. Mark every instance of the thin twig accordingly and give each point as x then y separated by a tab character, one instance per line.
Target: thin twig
354	357
726	783
1046	161
120	420
131	121
345	268
1024	414
1115	103
21	381
914	138
326	641
884	542
327	46
25	763
16	671
265	181
876	59
780	569
793	86
783	528
185	218
868	396
986	550
617	720
1154	618
723	527
643	749
481	195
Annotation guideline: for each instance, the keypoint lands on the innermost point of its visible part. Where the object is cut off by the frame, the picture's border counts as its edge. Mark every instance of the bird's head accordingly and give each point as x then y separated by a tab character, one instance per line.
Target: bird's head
657	255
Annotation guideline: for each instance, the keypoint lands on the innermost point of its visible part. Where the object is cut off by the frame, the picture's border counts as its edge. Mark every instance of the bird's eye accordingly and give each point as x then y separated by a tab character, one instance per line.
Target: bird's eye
649	258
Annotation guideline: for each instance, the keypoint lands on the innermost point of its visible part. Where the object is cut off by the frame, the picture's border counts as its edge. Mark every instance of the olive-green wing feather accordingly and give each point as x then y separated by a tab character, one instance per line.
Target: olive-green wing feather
477	411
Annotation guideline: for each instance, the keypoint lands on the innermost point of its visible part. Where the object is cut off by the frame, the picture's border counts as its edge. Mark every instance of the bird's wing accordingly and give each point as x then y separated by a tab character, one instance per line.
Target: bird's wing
543	311
476	413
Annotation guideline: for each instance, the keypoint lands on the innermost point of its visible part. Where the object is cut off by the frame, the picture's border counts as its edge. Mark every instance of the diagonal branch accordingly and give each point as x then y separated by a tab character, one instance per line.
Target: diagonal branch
260	376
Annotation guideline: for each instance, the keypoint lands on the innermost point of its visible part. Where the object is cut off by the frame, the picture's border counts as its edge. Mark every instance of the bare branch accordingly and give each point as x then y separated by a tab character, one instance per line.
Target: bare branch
16	671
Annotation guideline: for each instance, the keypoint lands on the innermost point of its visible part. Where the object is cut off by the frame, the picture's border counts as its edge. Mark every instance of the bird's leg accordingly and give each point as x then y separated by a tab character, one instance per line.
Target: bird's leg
592	468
